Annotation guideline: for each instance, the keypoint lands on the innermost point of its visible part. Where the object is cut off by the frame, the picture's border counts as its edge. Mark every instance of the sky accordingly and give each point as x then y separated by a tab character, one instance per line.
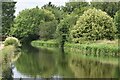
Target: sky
23	4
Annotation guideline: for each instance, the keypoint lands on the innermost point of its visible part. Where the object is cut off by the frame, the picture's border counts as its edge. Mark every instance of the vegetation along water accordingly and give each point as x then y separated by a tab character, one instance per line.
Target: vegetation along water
77	40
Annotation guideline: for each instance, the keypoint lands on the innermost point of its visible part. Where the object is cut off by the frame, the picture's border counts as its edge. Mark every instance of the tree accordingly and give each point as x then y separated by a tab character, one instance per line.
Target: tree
59	14
80	11
71	6
47	30
28	23
117	21
63	28
110	7
8	10
93	25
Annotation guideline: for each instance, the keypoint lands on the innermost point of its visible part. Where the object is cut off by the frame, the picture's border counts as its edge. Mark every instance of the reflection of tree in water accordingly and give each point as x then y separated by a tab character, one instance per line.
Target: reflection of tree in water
34	61
62	65
86	68
43	62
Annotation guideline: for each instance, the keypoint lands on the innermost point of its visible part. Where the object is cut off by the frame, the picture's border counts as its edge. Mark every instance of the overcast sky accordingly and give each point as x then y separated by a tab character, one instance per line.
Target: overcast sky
23	4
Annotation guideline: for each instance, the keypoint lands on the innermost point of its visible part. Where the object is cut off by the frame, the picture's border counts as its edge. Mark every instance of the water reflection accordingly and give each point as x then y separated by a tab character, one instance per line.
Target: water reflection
47	63
86	68
41	63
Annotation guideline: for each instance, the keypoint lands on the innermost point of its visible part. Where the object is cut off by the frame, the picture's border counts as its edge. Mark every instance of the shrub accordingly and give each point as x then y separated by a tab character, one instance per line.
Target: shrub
93	25
12	41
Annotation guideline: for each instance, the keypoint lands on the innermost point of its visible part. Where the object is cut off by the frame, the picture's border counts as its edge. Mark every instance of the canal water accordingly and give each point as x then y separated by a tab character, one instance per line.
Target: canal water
49	63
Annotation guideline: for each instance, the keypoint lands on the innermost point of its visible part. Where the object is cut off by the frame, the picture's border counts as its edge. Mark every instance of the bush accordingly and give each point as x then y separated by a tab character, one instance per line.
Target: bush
93	25
12	41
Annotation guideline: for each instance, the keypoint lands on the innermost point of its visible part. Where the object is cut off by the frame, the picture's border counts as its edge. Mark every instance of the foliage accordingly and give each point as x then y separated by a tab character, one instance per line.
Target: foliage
12	41
93	25
80	11
117	21
63	28
92	48
55	10
109	7
47	30
71	6
30	22
8	10
49	43
7	56
65	25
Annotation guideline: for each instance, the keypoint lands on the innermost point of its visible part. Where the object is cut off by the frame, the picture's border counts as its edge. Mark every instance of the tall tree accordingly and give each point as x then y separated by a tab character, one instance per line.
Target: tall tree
8	10
29	24
62	31
117	22
109	7
55	10
71	6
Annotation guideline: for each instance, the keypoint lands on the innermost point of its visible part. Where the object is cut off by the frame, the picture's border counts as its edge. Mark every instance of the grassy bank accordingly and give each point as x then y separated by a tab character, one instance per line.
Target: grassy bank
50	43
7	56
98	48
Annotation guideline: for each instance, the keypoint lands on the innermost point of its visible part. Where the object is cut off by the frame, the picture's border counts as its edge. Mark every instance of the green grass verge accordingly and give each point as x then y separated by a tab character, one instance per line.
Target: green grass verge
96	49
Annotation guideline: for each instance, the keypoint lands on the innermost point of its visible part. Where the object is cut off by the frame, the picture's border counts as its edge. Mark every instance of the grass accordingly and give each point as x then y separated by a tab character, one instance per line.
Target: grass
50	43
96	48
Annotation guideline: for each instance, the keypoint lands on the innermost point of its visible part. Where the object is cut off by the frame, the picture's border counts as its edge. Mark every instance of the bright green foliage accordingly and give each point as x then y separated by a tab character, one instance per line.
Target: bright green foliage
109	7
29	23
8	10
93	25
12	41
55	10
117	21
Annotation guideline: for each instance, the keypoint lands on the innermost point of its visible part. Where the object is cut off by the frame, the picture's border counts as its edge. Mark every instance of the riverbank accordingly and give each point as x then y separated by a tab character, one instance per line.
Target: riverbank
98	48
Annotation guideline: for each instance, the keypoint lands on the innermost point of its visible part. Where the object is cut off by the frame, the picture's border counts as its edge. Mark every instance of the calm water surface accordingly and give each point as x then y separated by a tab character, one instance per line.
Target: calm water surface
47	63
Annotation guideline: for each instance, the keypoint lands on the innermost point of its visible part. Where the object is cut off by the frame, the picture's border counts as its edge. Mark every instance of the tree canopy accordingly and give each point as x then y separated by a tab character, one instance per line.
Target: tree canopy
117	21
8	10
109	7
93	25
30	22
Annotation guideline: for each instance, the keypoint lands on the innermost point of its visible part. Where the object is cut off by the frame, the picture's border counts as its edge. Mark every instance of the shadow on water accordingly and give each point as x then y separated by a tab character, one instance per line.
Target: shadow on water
52	63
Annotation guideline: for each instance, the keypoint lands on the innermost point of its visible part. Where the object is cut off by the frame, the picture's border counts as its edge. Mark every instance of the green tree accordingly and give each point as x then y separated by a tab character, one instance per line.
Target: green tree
80	11
71	6
63	28
8	10
59	14
117	21
93	25
28	23
47	30
110	7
